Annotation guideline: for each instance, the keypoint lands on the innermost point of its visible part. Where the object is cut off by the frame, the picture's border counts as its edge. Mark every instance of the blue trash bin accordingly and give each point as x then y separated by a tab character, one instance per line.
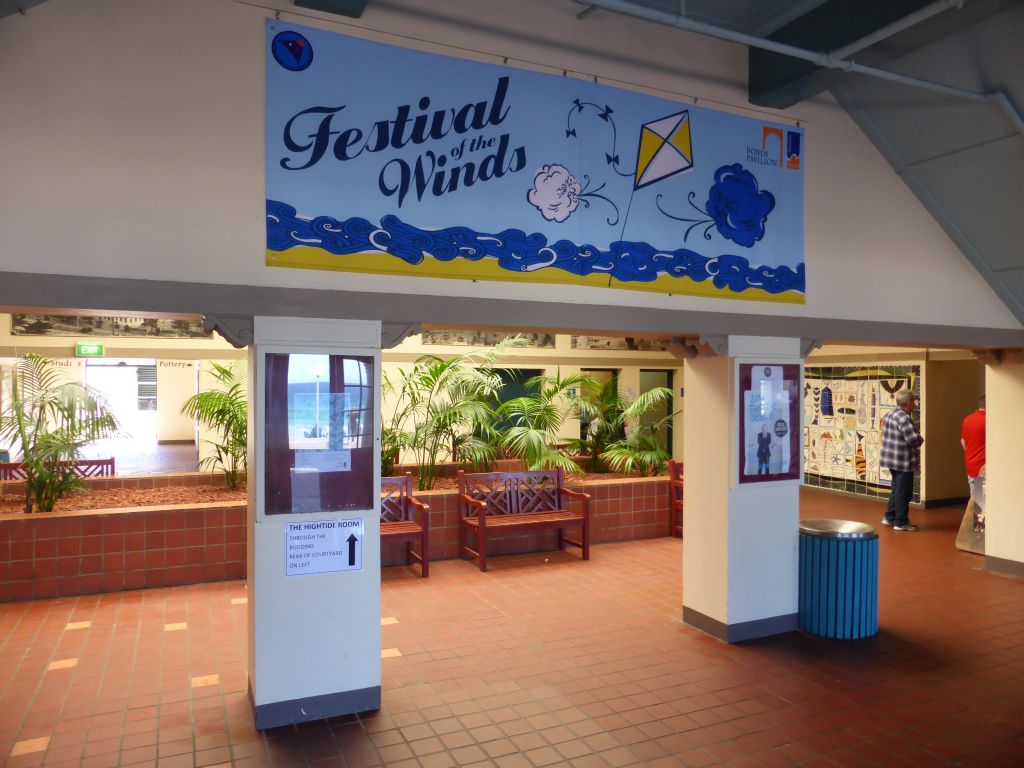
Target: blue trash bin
838	579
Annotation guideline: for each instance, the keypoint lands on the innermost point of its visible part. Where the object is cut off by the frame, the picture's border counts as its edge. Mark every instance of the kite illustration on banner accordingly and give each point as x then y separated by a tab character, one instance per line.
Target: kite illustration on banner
736	206
665	149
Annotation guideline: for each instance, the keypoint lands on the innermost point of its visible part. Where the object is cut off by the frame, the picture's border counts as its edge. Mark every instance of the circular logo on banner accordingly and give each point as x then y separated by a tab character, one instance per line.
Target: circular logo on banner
767	372
781	428
292	51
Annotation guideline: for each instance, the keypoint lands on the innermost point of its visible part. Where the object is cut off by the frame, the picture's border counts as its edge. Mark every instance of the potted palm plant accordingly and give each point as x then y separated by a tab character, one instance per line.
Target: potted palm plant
443	405
535	419
601	410
641	450
225	410
50	418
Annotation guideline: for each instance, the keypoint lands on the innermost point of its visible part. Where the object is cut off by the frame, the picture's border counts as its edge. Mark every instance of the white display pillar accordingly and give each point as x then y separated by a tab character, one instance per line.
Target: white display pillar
740	541
314	519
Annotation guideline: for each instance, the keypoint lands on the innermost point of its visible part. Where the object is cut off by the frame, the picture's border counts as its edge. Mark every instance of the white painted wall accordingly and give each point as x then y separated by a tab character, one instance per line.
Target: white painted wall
176	382
147	156
1004	521
707	409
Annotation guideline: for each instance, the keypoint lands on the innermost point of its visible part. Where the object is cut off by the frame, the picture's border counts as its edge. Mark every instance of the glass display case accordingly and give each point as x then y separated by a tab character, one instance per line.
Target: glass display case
319	442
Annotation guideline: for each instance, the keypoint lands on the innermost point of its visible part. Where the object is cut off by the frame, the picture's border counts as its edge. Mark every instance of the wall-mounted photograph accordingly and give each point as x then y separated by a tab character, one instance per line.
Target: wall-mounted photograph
106	325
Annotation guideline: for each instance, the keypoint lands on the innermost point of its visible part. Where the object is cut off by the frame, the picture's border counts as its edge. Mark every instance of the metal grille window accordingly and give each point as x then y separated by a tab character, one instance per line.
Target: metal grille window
146	377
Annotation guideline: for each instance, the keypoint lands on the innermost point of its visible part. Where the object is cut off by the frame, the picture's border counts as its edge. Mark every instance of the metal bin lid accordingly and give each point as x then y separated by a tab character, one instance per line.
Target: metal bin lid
837	529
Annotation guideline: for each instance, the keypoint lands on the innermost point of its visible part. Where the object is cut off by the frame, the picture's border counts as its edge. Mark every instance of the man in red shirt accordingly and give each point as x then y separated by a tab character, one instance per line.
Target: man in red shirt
972	438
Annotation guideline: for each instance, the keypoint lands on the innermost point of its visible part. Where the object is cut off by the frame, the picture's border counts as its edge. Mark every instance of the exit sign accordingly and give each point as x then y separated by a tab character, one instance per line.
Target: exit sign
88	350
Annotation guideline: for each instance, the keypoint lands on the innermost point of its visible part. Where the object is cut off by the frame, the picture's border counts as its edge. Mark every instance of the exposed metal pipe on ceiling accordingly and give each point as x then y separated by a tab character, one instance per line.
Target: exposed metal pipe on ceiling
821	59
1000	98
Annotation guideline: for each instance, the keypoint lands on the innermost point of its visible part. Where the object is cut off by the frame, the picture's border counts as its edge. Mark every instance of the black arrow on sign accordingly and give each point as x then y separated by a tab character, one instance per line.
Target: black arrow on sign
352	549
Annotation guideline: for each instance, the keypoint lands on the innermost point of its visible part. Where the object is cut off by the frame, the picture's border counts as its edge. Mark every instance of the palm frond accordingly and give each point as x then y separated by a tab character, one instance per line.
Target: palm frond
49	419
224	410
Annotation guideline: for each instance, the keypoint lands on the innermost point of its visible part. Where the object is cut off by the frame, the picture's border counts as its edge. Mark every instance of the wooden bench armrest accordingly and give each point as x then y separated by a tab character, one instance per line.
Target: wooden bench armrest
481	507
473	502
676	483
424	510
583	497
576	494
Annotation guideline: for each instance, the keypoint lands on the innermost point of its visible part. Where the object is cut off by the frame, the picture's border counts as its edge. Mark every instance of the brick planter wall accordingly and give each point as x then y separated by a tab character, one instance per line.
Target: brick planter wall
134	482
77	553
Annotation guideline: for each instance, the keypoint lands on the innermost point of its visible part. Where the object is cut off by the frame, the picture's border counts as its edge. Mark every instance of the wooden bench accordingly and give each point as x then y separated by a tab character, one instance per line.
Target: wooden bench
398	510
508	502
675	499
81	468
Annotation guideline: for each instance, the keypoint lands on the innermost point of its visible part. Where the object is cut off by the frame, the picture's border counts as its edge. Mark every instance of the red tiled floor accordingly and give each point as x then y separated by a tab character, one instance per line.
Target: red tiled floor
545	660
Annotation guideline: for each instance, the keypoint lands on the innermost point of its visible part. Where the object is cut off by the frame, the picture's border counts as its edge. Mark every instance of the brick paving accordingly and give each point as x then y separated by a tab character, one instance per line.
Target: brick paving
545	660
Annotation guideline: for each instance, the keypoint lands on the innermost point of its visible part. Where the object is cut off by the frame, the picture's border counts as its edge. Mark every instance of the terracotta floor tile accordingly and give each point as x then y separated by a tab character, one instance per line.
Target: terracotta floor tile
30	746
439	760
62	664
544	661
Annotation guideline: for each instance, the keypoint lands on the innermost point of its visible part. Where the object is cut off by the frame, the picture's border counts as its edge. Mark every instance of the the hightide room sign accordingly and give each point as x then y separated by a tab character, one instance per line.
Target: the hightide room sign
392	161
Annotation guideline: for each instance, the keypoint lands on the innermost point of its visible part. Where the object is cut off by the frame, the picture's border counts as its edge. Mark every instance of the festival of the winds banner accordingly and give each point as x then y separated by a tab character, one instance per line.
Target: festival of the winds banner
386	160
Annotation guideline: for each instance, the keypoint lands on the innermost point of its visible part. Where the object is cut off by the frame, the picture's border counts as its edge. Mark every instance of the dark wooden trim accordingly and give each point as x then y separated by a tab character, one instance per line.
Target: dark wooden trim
956	501
313	707
744	630
1005	567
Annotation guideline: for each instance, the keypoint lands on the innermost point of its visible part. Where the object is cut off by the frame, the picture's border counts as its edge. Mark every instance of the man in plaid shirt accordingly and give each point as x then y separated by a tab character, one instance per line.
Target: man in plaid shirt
901	455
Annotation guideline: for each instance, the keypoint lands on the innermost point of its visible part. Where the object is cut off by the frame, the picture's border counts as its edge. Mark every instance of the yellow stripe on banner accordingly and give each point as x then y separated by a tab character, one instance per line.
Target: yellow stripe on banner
305	257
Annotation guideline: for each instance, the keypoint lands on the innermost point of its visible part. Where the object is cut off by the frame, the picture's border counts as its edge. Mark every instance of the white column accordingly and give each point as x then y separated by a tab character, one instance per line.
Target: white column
740	540
1004	482
314	635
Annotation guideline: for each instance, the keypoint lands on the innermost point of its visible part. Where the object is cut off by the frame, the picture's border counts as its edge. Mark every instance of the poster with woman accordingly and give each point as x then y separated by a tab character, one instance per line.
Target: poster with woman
769	422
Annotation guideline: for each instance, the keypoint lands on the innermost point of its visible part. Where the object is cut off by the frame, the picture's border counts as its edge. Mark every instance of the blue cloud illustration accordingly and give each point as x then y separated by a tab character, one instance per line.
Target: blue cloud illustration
737	207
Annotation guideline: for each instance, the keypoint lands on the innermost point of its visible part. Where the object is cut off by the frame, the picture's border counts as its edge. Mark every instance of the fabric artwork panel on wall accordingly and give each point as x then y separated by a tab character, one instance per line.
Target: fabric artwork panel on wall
386	160
843	410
